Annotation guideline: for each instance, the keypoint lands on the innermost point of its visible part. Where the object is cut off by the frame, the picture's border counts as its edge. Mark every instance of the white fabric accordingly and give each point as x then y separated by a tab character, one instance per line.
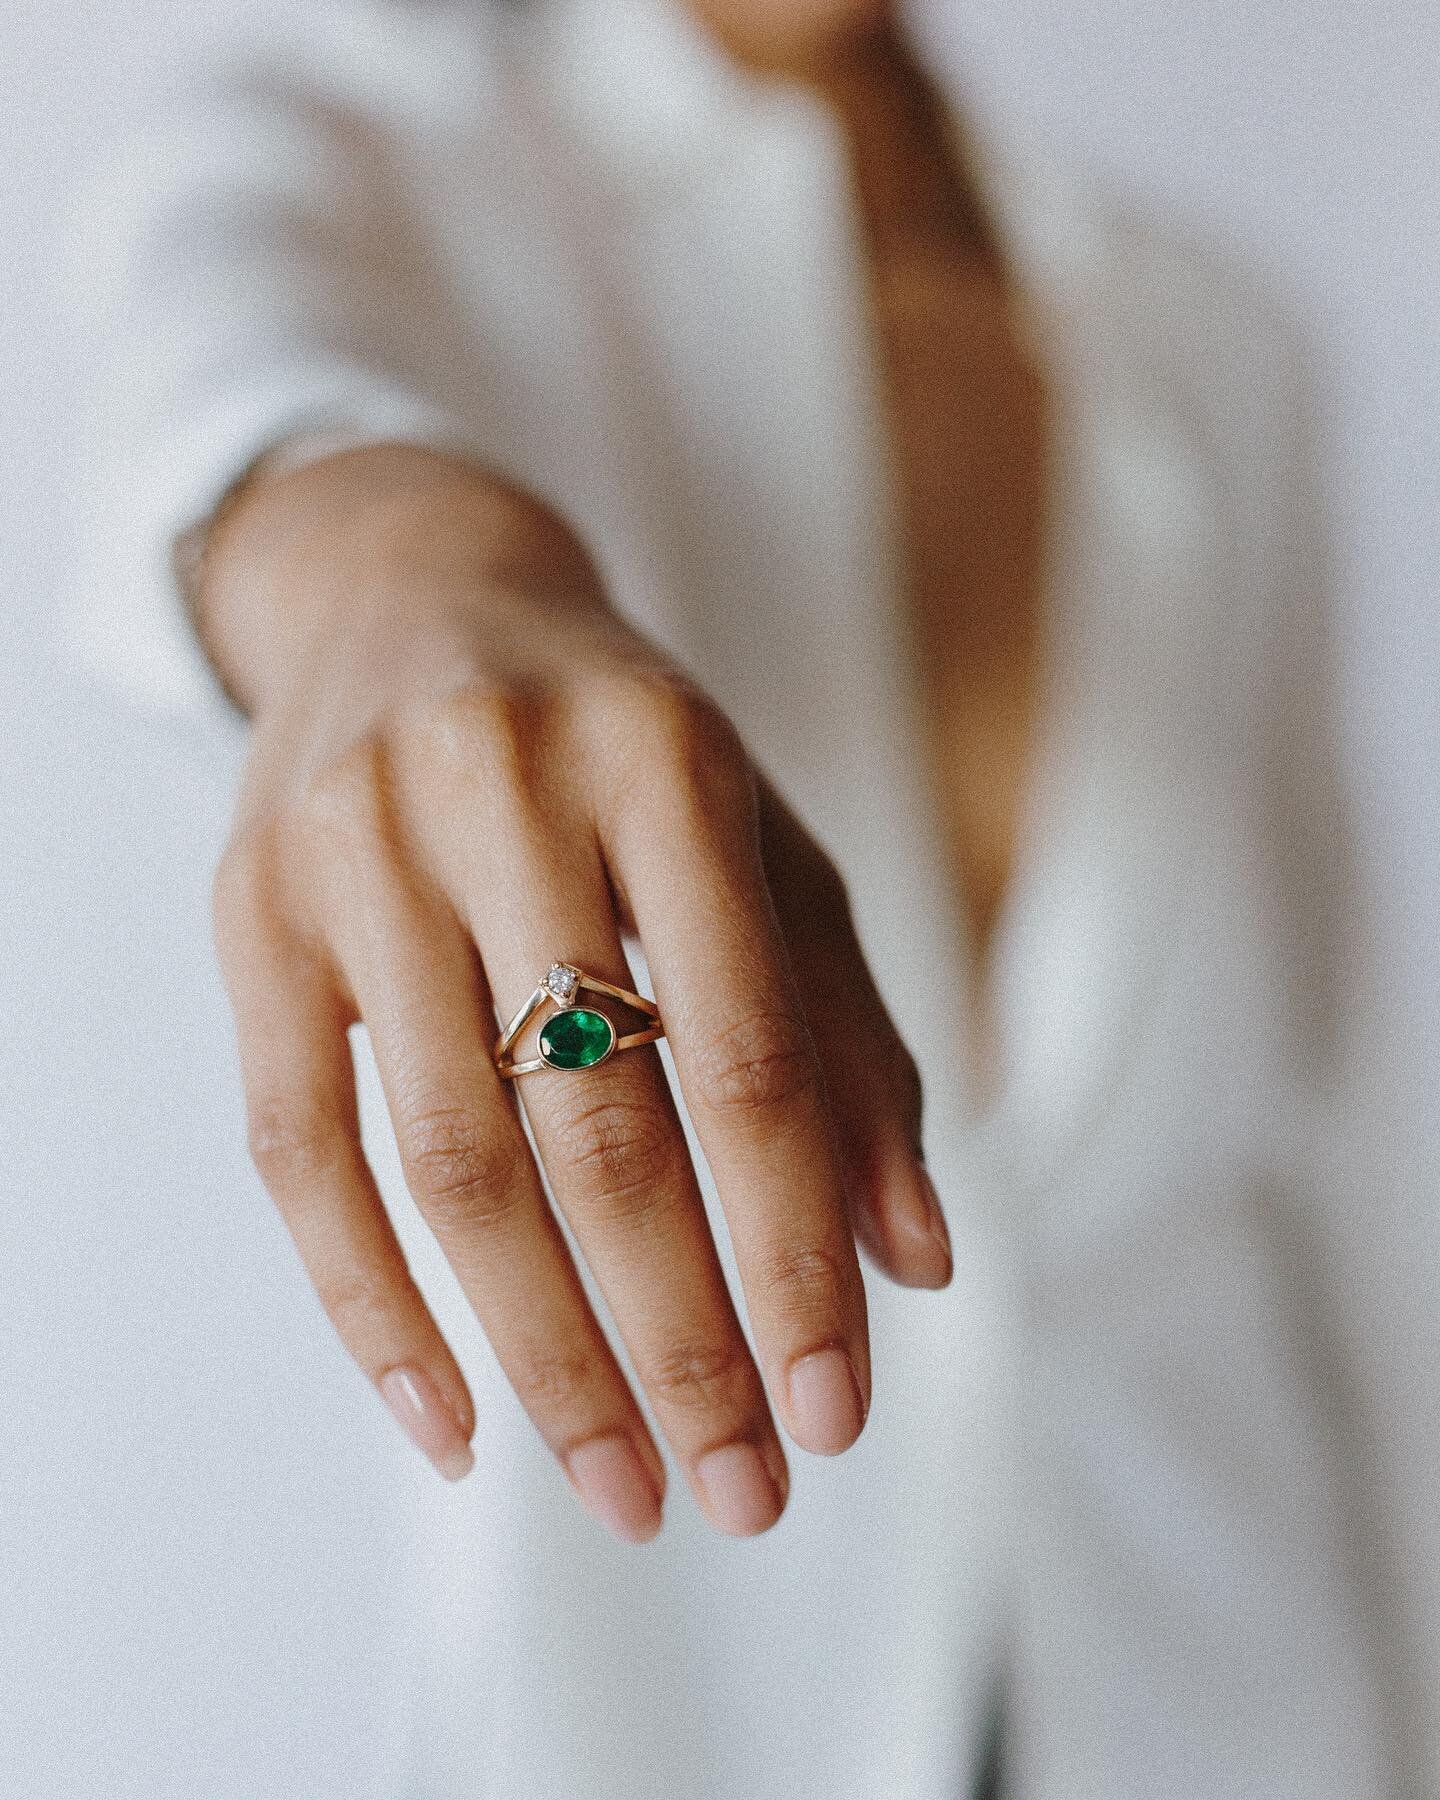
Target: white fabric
1109	1464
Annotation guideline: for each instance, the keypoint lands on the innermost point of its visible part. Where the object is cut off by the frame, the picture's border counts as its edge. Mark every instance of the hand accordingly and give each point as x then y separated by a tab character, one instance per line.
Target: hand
464	767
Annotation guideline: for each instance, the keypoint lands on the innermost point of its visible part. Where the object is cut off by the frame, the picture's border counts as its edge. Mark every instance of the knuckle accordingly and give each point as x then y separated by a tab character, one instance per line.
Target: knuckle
677	734
700	748
620	1153
240	881
495	746
291	1140
354	1300
250	912
345	826
761	1062
485	728
350	796
696	1375
461	1171
551	1379
807	1279
686	719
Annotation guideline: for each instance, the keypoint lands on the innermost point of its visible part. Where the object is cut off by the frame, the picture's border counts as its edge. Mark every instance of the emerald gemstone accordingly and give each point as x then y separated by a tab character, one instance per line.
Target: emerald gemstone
576	1038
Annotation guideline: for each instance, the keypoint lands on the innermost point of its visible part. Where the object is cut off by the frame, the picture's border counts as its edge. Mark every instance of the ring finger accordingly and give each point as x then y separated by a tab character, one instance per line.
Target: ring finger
619	1168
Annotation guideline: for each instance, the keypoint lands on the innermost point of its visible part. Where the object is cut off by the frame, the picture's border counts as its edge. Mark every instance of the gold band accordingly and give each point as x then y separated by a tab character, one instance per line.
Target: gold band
573	1037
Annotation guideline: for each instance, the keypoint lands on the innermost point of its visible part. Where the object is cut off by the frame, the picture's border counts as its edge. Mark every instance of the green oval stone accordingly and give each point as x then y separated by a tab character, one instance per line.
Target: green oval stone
576	1038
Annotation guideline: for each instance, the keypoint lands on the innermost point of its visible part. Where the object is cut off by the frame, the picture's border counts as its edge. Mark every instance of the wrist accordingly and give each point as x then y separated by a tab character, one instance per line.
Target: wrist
351	537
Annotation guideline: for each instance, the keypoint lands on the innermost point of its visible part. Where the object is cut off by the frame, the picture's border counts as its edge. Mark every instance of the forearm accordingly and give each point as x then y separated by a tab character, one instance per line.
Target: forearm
299	552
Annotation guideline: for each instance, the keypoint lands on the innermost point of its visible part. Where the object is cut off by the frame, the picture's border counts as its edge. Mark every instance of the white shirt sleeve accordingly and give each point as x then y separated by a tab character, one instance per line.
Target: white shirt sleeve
249	272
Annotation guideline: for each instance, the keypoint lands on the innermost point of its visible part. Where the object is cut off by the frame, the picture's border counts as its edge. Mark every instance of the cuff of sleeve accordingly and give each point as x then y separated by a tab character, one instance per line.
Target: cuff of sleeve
127	620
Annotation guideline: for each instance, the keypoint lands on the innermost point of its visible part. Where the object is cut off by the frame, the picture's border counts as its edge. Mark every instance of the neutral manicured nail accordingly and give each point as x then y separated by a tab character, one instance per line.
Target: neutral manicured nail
427	1421
825	1409
611	1481
934	1217
920	1225
737	1490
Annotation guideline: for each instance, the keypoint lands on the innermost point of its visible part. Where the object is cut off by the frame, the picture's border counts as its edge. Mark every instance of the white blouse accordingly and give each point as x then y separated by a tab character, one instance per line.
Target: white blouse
1106	1471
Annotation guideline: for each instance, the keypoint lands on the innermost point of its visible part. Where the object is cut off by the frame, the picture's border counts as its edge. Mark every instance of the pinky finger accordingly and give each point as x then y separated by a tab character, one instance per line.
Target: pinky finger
305	1141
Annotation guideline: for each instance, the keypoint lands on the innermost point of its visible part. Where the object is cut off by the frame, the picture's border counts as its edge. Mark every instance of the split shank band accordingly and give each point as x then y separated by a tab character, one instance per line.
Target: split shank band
574	1036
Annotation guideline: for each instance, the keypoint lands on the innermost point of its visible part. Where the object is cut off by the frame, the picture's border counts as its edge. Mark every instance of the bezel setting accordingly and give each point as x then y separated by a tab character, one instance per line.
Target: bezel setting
548	1054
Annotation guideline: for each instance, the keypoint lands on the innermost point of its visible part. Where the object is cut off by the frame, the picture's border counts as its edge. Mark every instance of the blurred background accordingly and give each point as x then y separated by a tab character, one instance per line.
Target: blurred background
169	1397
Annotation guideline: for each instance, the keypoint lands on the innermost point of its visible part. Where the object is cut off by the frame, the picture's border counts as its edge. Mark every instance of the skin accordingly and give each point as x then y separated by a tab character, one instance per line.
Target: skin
969	421
969	416
795	39
465	764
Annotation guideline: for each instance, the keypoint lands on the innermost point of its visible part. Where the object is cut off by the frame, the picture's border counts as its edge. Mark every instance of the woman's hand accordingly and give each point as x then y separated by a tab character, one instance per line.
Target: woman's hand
465	767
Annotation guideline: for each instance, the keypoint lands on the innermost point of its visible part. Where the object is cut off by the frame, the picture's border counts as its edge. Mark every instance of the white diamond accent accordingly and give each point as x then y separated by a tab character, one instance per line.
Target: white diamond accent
561	982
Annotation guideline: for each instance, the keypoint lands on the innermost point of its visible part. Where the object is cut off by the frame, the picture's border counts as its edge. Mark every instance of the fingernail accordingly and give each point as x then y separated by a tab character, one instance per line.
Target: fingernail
737	1490
934	1217
427	1421
921	1225
825	1409
611	1481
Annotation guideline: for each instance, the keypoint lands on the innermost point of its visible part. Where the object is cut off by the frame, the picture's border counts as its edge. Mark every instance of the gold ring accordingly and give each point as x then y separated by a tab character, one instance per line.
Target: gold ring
573	1037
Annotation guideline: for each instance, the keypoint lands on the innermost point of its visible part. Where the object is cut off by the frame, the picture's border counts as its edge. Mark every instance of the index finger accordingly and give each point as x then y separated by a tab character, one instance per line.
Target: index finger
685	850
